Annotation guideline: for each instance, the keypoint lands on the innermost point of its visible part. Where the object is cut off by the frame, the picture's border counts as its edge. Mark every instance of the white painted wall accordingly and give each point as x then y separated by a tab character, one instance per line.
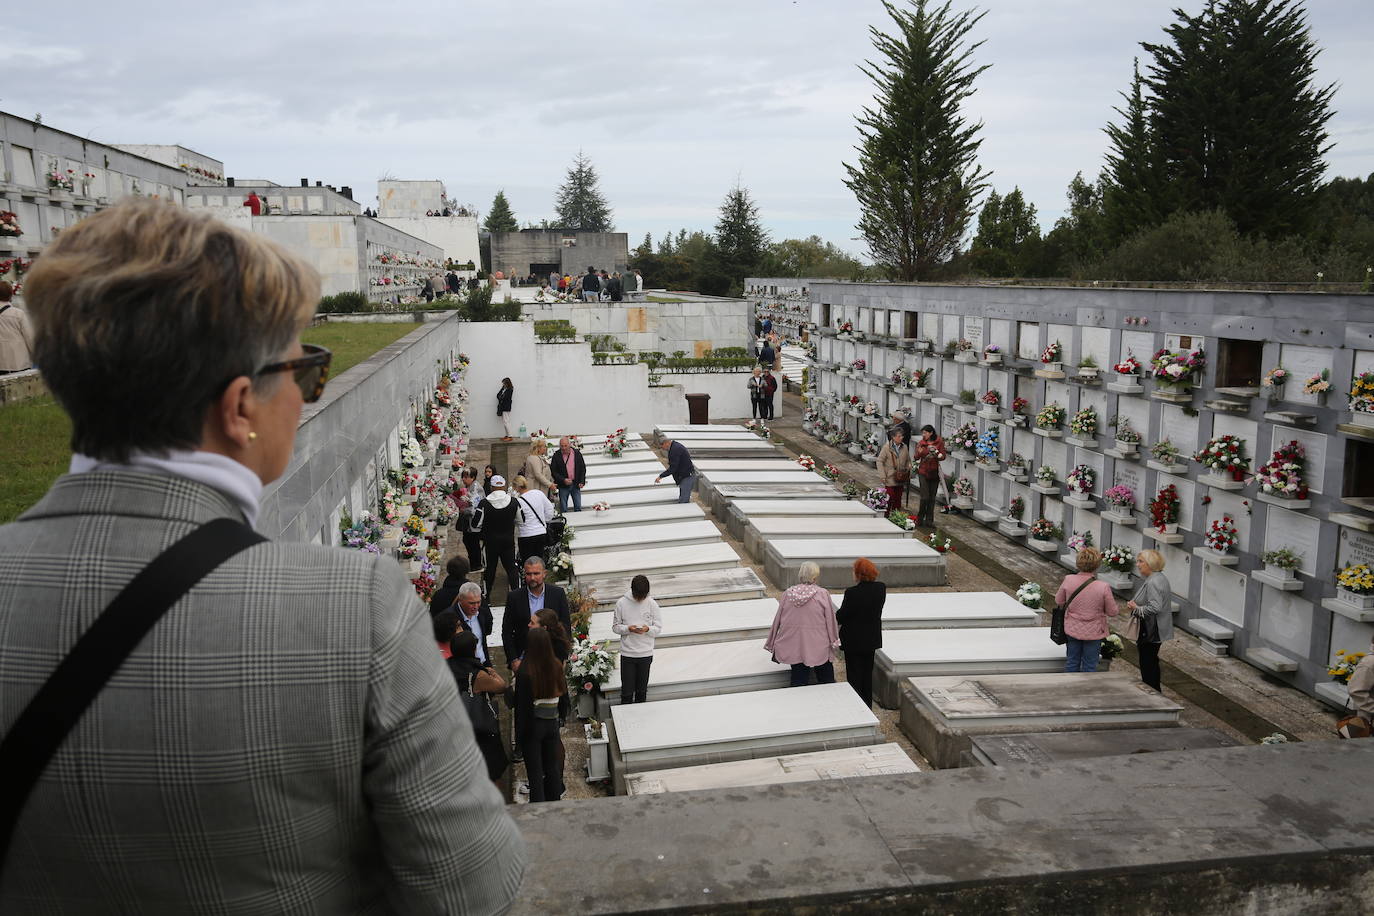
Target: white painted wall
557	387
456	235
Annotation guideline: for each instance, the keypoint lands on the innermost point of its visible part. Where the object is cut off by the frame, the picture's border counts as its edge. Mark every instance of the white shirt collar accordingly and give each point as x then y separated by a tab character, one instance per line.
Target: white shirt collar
217	471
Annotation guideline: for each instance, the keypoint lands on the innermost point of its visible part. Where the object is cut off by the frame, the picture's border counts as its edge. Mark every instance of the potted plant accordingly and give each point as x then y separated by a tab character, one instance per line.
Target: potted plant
992	354
589	666
1045	477
1282	563
988	449
1164	510
1016	467
965	438
1084	424
1127	439
991	399
967	396
1112	647
1341	671
1049	419
1121	498
1019	406
1222	536
1165	452
1355	586
902	519
1088	368
1080	481
1031	595
920	379
1016	509
1046	533
1053	357
963	351
598	750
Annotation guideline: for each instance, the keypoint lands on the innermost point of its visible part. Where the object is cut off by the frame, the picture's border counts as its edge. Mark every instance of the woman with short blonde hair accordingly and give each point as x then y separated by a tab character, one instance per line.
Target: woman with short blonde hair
536	467
1087	603
1151	606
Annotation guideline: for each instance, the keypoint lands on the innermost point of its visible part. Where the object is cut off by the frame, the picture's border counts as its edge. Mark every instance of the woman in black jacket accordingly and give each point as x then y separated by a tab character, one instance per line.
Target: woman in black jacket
504	398
541	688
474	677
861	627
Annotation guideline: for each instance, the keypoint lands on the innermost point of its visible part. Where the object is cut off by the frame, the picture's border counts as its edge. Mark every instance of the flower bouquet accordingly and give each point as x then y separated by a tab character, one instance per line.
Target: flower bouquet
830	472
1281	476
1355	585
1050	417
1341	671
1112	647
1282	562
965	437
920	378
901	377
1081	480
871	444
412	456
1125	435
1119	558
1128	366
992	398
1016	465
589	665
1177	369
858	365
601	507
941	543
1031	595
1019	405
1084	423
1120	497
871	409
1042	529
364	534
1045	475
561	566
988	447
1274	380
1222	535
1164	509
1362	393
426	581
1078	540
1318	384
60	180
1225	453
992	353
1165	452
963	493
1016	509
613	447
1053	355
876	500
9	225
807	462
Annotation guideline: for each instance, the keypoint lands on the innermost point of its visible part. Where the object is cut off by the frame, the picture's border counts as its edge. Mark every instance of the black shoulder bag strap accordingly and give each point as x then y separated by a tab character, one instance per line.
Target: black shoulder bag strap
98	654
533	513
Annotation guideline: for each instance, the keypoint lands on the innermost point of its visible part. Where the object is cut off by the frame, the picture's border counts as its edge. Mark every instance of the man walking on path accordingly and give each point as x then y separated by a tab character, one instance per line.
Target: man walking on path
681	468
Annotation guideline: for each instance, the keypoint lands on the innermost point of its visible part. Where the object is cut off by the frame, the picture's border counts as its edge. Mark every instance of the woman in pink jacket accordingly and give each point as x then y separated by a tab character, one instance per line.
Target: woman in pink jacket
1085	617
805	634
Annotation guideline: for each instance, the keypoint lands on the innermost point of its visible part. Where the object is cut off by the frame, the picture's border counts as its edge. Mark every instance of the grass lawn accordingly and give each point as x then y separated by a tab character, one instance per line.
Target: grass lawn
352	342
35	434
34	451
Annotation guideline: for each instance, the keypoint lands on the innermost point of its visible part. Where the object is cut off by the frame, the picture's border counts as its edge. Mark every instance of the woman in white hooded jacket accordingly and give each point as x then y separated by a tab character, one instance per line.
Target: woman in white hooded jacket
533	512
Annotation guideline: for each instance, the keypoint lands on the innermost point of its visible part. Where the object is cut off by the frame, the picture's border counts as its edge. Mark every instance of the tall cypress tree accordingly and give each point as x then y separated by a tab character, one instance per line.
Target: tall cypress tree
580	203
1134	191
500	218
1238	120
917	174
740	238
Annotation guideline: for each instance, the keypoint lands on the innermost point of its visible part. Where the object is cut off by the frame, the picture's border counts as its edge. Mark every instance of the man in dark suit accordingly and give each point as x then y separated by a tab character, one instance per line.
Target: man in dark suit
475	617
569	474
524	603
457	569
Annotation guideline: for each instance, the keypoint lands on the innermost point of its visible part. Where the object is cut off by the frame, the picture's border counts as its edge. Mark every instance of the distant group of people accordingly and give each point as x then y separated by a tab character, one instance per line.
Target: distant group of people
595	285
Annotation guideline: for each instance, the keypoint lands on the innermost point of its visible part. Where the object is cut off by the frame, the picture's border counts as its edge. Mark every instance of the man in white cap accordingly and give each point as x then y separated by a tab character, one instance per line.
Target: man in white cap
494	520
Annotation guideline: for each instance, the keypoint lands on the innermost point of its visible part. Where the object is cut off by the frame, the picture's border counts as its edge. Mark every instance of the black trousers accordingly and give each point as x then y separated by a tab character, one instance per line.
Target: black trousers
543	765
634	679
755	407
1149	663
926	516
768	407
473	543
502	552
858	671
533	547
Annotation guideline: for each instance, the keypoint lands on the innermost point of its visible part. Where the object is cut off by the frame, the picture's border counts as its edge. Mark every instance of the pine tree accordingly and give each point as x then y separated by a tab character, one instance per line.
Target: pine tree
740	240
918	174
1006	226
1239	123
500	217
1134	195
580	203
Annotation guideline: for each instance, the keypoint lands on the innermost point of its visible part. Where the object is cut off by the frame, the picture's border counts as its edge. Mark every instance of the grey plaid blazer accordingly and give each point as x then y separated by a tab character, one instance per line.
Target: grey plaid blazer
286	740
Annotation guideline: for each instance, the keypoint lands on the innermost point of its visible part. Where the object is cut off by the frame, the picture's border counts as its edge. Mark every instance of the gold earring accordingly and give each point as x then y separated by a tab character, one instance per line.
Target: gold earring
252	436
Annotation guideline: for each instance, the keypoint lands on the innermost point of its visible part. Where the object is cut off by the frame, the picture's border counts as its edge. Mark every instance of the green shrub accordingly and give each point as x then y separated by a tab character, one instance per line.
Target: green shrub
343	303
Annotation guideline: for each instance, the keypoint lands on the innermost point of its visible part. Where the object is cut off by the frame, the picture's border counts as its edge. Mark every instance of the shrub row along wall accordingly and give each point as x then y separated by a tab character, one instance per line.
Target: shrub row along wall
1291	630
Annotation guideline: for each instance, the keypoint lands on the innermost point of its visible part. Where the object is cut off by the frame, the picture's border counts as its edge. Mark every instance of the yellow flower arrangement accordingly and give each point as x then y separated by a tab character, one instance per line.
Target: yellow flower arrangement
1340	672
1358	579
415	525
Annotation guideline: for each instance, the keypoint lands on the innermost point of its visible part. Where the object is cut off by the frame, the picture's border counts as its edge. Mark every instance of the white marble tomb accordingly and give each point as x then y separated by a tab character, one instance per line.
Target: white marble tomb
760	531
651	561
737	584
649	494
706	669
693	624
606	540
626	468
633	517
716	729
844	763
904	561
709	466
941	610
607	486
976	650
718	498
941	714
738	512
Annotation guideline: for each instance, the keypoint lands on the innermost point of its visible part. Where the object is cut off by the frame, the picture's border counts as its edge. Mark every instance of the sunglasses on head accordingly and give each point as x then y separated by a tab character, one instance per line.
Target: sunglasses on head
310	371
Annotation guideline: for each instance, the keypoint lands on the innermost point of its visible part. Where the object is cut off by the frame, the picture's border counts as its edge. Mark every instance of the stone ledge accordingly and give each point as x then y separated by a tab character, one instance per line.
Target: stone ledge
21	386
1244	829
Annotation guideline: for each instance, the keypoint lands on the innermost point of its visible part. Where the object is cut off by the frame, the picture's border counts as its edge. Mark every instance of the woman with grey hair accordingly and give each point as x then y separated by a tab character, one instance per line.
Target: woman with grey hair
173	342
804	633
1152	609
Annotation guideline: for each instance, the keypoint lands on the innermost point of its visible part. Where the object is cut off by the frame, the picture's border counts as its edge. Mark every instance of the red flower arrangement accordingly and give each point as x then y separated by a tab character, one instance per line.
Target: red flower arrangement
1164	508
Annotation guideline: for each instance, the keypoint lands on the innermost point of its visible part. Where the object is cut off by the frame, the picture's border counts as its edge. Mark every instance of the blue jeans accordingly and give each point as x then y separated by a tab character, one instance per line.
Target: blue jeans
801	674
1082	654
575	492
684	489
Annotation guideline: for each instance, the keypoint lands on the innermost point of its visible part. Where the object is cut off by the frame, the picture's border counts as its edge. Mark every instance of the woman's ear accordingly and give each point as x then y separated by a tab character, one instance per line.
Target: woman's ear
229	421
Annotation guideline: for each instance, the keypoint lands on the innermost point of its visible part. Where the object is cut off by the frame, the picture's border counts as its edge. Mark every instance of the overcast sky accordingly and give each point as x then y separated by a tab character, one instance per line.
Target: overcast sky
672	102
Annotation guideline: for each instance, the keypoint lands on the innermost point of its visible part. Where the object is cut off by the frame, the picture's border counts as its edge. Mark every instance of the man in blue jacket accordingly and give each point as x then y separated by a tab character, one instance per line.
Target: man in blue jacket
680	466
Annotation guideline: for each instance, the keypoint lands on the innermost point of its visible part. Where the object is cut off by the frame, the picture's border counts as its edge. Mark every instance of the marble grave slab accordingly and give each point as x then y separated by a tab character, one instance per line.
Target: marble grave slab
718	498
904	561
708	622
1058	747
630	537
651	561
696	587
706	669
634	516
759	531
844	763
980	650
948	610
739	511
941	715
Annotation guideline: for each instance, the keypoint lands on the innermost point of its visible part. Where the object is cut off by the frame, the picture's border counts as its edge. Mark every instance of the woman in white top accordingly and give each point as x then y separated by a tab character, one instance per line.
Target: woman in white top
533	512
637	621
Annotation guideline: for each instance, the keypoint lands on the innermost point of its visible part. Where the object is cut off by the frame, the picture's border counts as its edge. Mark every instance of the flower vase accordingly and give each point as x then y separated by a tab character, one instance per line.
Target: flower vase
1364	602
598	754
1238	474
1278	572
1169	528
586	705
1054	367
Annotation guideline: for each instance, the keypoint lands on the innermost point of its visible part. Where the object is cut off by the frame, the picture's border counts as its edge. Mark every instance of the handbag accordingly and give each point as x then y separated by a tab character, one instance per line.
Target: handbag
480	711
1353	726
1132	628
556	526
1057	634
78	679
